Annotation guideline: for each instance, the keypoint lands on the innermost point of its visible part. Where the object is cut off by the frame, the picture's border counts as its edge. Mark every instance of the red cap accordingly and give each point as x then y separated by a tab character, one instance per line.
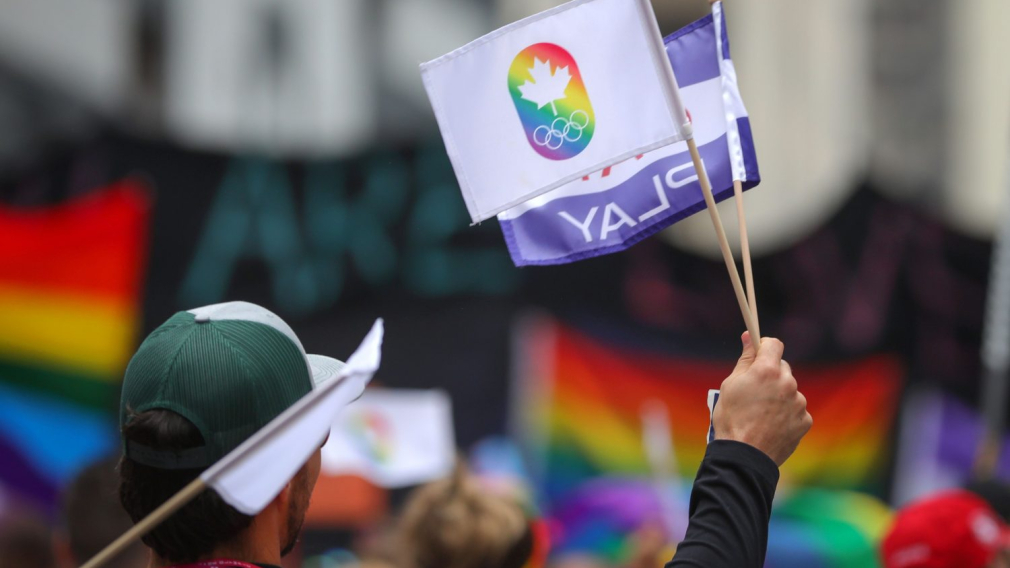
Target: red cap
953	529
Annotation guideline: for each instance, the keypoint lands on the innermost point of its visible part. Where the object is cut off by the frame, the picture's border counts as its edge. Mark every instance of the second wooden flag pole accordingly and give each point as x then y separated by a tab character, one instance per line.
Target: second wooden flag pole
727	254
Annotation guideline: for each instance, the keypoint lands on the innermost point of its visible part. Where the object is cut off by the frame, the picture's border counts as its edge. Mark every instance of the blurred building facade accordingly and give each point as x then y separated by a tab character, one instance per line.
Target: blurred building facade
905	92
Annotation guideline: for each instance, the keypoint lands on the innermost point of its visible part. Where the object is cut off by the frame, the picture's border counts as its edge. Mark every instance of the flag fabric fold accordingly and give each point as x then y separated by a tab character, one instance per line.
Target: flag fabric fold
254	473
551	98
631	200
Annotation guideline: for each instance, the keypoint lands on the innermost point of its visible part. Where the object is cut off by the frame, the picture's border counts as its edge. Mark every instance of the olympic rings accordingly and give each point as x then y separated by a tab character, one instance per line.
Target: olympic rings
549	135
561	129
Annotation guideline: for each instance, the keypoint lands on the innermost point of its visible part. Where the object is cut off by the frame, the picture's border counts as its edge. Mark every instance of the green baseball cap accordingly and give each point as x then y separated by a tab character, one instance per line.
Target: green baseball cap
228	368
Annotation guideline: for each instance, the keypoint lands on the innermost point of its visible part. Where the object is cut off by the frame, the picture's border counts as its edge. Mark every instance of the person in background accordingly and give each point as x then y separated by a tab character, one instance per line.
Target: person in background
92	517
759	421
201	384
25	541
952	529
458	523
648	545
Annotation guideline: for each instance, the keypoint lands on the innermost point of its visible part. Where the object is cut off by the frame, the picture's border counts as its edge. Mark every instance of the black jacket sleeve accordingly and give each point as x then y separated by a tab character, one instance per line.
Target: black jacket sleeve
730	506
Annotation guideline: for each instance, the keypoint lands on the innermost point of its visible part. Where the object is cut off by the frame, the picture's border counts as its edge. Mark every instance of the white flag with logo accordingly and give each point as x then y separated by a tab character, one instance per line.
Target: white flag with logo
393	437
551	98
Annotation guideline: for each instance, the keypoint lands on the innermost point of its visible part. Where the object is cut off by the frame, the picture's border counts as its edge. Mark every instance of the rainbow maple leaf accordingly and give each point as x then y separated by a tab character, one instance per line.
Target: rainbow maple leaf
546	86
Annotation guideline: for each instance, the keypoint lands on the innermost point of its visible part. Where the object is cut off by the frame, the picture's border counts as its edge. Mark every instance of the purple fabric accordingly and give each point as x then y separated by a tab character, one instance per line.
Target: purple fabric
543	236
626	503
692	52
962	431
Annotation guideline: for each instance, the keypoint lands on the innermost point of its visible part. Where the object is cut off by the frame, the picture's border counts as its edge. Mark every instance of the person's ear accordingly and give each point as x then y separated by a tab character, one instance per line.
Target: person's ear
283	499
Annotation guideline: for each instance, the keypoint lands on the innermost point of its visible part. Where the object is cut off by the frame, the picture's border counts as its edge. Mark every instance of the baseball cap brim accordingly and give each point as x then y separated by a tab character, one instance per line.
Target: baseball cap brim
323	368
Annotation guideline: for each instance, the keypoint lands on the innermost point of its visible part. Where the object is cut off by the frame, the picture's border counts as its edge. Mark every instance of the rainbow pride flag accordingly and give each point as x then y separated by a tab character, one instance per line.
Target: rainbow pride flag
586	398
581	419
811	528
70	291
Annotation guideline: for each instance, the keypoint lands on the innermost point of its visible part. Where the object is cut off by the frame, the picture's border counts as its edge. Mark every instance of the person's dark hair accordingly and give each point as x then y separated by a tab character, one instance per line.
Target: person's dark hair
198	527
92	516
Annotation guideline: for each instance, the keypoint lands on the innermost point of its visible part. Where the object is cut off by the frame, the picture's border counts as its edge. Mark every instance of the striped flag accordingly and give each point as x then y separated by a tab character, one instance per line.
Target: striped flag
612	210
71	276
583	434
570	377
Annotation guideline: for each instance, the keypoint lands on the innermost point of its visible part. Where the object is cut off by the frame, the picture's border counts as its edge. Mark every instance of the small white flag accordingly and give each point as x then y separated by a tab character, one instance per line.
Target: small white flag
551	98
254	473
394	438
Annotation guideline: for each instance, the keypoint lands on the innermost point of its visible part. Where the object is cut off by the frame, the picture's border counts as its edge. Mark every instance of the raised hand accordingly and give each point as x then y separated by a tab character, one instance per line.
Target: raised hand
760	403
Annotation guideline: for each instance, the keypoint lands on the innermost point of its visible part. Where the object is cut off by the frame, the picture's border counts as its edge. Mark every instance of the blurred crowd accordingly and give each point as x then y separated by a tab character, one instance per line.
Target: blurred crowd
464	521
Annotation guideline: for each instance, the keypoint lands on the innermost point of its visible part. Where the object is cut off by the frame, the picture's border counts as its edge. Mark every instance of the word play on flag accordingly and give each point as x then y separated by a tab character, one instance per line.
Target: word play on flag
632	200
552	98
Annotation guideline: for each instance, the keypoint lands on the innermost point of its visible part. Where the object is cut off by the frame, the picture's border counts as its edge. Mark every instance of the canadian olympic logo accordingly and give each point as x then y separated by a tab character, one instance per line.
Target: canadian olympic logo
561	129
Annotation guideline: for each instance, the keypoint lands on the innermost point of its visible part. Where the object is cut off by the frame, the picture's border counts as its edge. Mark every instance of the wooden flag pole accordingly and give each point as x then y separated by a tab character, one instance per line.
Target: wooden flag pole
679	113
174	503
727	254
748	271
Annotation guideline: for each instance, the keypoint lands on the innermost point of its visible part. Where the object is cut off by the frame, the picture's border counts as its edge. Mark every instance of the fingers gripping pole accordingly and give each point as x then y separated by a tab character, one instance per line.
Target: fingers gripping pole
175	503
727	255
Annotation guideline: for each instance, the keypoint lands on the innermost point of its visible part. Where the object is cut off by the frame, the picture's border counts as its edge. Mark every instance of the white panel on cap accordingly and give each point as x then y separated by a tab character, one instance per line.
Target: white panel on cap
246	311
324	368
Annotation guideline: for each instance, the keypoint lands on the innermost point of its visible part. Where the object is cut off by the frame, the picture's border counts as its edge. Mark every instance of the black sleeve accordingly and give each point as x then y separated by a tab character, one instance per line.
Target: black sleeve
730	506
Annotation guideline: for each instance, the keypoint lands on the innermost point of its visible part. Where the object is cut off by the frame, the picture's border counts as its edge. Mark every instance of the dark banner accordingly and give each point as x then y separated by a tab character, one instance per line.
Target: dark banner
332	244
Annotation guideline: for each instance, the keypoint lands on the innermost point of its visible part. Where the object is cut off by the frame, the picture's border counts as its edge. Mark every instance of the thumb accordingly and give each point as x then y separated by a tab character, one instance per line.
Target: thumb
748	355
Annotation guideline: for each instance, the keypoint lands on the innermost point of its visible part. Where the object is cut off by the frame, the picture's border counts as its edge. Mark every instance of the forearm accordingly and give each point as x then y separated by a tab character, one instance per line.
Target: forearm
730	508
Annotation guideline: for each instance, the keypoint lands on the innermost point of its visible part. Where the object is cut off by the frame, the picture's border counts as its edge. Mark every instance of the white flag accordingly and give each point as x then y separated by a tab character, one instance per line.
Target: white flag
393	437
254	473
551	98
